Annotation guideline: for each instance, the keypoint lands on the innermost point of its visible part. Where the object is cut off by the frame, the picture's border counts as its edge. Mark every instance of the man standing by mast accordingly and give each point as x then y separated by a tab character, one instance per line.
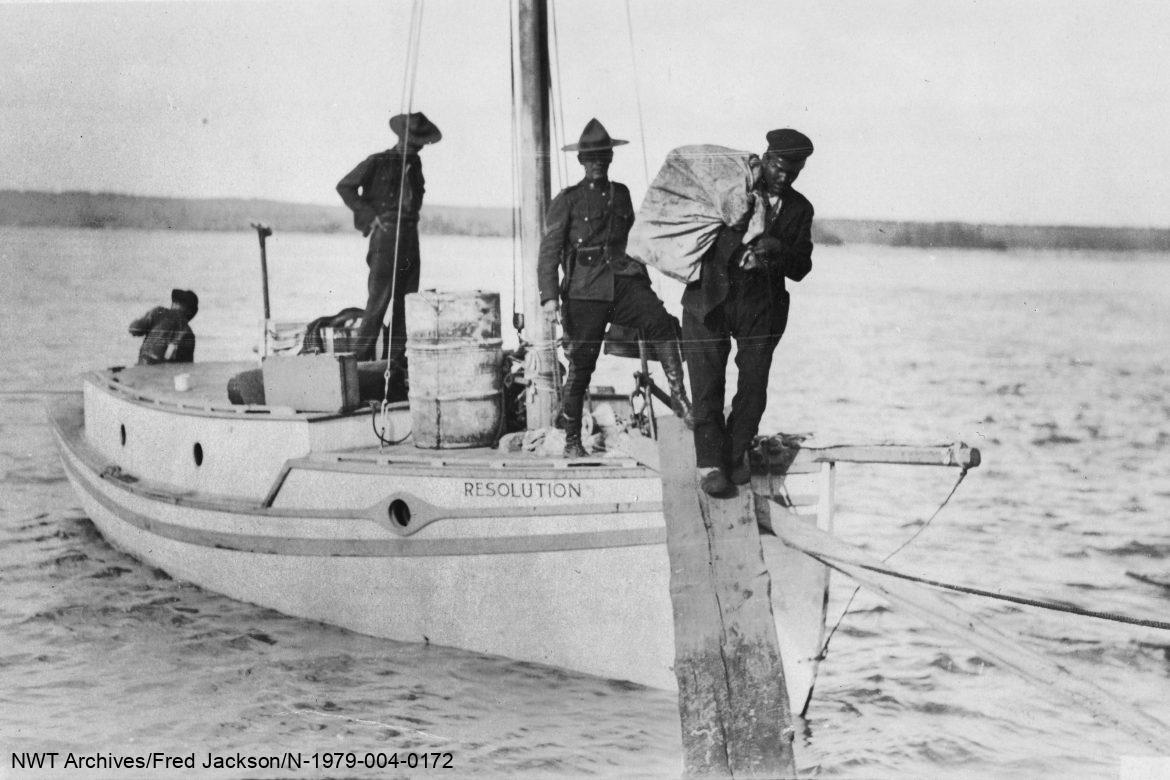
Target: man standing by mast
587	227
740	292
385	193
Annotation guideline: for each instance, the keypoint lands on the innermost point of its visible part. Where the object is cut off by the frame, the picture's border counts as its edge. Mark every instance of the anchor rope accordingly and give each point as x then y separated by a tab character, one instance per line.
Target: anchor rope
1054	606
857	588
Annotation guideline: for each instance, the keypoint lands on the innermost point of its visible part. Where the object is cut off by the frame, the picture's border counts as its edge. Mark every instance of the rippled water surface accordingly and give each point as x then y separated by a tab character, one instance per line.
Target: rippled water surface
1054	364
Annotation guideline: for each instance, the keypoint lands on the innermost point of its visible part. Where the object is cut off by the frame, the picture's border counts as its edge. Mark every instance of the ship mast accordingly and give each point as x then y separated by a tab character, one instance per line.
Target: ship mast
532	94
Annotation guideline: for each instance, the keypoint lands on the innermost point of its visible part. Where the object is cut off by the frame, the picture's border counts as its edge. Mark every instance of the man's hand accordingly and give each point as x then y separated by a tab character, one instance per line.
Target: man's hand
551	310
749	261
769	247
764	251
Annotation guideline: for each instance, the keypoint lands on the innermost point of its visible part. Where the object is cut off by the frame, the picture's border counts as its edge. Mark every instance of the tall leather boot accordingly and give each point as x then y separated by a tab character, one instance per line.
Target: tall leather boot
670	355
573	446
572	405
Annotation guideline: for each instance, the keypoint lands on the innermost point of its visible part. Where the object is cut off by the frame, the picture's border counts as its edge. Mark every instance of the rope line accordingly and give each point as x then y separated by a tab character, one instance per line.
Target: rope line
1072	609
558	116
39	392
517	279
857	588
637	95
406	103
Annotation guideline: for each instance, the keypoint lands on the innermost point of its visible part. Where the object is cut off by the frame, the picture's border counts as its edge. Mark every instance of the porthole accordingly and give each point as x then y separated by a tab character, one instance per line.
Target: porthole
399	512
198	452
122	432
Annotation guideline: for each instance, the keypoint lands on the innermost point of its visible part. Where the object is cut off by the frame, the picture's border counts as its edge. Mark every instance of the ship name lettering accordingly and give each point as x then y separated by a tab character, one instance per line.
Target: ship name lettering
526	489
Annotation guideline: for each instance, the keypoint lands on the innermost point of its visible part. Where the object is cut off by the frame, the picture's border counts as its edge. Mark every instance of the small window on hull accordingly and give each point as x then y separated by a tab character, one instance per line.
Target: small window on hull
399	512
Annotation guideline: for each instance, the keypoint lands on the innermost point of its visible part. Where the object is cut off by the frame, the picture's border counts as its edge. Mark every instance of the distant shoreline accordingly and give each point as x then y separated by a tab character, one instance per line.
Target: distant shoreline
117	211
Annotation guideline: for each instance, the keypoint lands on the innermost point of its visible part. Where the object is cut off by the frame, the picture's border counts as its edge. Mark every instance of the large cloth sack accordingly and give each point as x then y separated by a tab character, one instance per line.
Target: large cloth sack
698	190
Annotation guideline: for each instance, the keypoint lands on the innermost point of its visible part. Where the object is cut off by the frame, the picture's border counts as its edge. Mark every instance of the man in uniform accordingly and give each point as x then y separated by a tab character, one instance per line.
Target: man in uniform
385	193
587	227
741	292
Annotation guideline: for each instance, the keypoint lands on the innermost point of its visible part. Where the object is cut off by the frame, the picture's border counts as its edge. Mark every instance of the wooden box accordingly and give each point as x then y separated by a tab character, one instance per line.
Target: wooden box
312	383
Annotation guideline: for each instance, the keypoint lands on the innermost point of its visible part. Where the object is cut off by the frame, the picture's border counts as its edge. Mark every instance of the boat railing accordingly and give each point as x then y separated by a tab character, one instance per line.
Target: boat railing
207	406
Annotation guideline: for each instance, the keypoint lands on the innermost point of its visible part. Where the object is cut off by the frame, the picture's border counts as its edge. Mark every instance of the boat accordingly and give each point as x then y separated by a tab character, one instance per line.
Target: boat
493	549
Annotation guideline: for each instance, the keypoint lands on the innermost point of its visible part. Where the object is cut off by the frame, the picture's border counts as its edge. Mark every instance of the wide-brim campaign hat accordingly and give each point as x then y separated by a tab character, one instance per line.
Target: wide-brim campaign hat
594	138
416	128
789	143
188	300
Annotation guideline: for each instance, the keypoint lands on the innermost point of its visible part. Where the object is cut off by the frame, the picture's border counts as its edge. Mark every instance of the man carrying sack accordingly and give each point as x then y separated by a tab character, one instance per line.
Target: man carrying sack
740	292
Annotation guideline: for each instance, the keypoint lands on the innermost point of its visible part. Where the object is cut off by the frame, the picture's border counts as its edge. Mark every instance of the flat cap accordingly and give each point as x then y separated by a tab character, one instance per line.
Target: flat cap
787	142
187	299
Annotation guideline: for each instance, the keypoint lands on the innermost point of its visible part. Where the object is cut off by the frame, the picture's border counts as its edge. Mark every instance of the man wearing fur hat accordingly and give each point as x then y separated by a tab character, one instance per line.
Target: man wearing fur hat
741	293
385	193
585	240
168	336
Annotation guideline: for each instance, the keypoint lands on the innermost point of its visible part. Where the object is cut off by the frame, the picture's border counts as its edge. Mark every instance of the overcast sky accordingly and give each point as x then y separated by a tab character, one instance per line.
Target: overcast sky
1020	112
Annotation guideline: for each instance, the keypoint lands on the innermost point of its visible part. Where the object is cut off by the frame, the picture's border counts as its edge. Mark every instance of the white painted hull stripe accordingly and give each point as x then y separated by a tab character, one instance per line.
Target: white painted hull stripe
318	547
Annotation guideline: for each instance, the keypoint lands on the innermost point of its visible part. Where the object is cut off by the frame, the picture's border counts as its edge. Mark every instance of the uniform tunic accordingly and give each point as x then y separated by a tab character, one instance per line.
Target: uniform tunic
585	237
585	233
371	190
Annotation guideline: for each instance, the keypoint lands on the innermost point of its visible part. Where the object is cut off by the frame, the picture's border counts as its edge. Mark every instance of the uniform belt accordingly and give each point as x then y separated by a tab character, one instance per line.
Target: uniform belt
590	256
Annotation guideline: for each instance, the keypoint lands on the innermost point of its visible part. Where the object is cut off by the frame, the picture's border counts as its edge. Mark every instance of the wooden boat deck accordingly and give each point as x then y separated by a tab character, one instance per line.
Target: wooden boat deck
206	393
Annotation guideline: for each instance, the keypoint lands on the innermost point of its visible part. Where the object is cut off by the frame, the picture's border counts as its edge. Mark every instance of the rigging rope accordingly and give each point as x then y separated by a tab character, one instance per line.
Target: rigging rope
557	98
517	278
406	103
637	96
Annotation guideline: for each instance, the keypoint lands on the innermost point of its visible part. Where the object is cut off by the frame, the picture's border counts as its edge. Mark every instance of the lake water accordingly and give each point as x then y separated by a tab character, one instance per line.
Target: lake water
1054	364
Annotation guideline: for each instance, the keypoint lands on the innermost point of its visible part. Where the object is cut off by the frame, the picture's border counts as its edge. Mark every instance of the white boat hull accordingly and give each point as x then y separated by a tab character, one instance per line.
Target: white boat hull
588	592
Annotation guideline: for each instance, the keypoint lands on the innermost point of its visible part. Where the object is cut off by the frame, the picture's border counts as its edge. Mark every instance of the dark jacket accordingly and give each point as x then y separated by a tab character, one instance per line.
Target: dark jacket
371	189
163	327
786	248
585	235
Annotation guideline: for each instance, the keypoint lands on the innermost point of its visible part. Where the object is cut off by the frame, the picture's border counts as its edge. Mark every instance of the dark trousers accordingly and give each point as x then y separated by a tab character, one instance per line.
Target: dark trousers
756	318
634	305
380	259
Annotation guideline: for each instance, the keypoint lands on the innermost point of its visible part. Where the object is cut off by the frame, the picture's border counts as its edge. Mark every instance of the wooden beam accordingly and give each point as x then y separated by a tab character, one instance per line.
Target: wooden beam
782	454
733	703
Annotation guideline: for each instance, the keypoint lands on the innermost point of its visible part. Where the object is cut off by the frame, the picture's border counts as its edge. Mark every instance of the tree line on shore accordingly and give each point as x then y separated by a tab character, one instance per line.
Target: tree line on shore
111	211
